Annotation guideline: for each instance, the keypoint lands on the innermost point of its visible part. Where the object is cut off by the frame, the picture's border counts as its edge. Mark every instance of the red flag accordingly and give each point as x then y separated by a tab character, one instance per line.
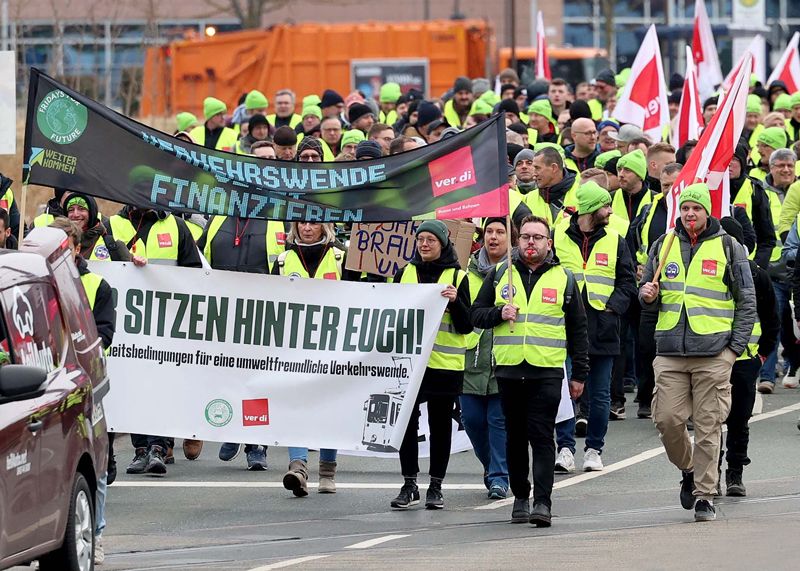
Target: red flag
788	68
712	156
755	48
542	58
704	49
644	100
690	114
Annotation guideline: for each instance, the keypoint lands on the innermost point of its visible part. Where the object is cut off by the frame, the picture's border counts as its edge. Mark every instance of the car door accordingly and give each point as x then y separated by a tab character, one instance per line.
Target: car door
20	447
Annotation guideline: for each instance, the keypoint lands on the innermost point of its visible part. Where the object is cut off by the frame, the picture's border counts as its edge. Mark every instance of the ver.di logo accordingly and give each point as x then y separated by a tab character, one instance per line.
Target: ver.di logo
60	118
219	412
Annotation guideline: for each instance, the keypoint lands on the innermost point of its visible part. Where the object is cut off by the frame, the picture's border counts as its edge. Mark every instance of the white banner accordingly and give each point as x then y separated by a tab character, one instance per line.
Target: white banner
238	357
8	103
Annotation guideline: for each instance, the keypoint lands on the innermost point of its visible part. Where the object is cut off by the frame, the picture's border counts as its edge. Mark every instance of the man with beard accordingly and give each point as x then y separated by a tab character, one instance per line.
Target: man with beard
549	323
457	108
601	263
585	150
554	196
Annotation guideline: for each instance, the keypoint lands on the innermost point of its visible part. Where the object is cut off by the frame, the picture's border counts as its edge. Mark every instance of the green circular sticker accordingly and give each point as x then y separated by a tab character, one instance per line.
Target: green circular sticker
219	412
60	118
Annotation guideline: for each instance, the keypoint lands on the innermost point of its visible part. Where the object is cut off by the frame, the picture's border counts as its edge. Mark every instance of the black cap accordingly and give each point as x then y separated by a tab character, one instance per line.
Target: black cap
368	150
256	120
607	76
357	111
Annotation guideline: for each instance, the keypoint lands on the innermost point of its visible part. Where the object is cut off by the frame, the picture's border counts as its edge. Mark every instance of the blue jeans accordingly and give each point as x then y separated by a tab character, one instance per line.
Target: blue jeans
598	387
325	454
100	507
782	295
485	424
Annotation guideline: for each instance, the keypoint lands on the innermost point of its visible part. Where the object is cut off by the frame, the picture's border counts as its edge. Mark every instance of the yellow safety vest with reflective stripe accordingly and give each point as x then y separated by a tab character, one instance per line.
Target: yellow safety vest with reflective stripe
744	199
275	238
596	108
642	254
226	142
598	273
162	241
389	118
449	347
752	346
91	283
538	206
293	122
330	268
540	335
327	152
451	116
195	229
758	173
700	290
43	220
7	200
475	284
619	208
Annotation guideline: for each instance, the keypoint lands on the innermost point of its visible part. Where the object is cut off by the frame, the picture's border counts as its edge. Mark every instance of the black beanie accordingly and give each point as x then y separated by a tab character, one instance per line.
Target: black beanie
329	98
357	111
611	166
512	150
256	120
462	84
509	106
579	110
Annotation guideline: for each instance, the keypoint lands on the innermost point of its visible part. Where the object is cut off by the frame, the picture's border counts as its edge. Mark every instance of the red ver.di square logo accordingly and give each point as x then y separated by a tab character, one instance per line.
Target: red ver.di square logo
255	412
451	172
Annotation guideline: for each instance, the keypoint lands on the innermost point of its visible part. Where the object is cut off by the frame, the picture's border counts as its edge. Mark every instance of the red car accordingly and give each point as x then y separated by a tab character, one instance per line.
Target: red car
53	441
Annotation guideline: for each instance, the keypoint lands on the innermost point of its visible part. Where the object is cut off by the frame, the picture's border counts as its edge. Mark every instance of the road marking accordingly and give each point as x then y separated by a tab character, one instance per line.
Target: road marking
289	563
154	483
376	541
636	459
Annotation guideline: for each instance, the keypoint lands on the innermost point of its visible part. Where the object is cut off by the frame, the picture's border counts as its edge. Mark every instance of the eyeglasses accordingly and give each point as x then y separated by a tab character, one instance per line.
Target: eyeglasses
587	133
533	238
783	166
310	158
427	240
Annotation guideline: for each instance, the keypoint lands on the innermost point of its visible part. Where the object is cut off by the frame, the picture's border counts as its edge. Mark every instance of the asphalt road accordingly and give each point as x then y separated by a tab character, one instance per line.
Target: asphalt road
208	514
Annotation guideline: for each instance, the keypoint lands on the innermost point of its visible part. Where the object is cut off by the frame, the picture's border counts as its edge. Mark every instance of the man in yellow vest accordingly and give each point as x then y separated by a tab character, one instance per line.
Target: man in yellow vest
284	110
8	204
95	241
633	194
435	261
706	305
769	140
213	134
457	107
555	196
389	94
549	324
601	262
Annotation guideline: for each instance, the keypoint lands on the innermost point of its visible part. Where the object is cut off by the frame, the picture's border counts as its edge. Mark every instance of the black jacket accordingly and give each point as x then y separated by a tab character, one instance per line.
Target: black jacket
143	220
762	217
632	203
117	251
249	256
604	326
554	195
582	163
767	309
105	316
486	315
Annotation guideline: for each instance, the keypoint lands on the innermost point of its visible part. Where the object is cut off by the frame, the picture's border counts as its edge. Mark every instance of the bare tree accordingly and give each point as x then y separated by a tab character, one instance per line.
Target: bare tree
249	12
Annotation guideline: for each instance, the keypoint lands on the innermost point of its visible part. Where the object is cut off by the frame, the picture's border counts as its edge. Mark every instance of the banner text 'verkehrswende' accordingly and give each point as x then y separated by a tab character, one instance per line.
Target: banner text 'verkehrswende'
270	323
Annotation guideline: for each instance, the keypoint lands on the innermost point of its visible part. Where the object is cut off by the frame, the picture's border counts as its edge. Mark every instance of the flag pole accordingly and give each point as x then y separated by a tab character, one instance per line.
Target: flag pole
509	269
23	203
663	260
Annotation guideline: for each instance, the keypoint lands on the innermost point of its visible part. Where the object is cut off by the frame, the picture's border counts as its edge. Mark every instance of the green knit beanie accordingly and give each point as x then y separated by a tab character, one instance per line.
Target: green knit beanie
796	99
490	97
76	200
634	161
437	228
783	102
310	100
480	107
592	197
353	136
256	100
390	92
542	107
753	103
602	159
185	121
312	110
622	77
699	193
213	106
774	137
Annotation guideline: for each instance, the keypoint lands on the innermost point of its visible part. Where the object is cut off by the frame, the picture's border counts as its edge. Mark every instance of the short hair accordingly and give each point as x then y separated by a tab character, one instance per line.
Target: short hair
551	156
671	169
559	81
641	141
69	227
533	219
582	84
776	116
513	137
259	144
660	148
596	175
4	218
782	155
331	118
288	92
377	128
397	144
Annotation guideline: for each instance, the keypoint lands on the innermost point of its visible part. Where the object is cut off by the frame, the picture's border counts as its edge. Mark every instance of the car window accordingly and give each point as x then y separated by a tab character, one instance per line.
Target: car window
36	334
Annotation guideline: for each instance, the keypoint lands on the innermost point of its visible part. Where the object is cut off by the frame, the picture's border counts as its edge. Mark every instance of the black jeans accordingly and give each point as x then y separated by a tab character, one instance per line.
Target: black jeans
146	441
530	408
628	321
743	396
647	352
440	423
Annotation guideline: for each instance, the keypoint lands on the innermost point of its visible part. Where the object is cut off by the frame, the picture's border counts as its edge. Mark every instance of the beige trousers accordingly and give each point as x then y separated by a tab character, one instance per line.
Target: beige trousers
698	387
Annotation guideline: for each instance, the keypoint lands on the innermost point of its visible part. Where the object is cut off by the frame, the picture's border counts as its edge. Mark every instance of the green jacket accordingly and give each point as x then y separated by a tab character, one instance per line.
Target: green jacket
479	376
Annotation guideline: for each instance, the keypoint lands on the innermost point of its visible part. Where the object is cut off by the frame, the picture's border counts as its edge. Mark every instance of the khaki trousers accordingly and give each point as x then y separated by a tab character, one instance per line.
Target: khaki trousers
698	387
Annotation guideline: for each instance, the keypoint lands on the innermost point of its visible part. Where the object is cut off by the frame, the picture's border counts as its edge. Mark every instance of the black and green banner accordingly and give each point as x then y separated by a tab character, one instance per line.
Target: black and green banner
75	143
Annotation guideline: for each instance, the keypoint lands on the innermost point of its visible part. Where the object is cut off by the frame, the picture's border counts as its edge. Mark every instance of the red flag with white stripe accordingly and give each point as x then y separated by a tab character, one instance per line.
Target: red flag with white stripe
542	58
756	46
788	68
690	113
644	99
704	49
712	156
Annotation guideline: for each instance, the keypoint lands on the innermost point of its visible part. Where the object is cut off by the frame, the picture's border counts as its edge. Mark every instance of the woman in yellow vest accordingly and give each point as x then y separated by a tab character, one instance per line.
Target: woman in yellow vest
311	252
435	261
95	242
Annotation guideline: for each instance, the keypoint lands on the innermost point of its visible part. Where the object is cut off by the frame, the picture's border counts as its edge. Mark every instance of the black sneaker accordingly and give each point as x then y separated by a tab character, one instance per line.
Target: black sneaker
617	411
521	512
155	461
581	424
687	490
139	462
629	387
112	471
704	511
733	484
540	516
690	423
408	496
434	499
644	412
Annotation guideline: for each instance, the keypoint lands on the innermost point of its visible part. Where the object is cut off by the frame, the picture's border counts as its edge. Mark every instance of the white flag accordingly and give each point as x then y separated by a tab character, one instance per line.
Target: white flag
704	49
788	68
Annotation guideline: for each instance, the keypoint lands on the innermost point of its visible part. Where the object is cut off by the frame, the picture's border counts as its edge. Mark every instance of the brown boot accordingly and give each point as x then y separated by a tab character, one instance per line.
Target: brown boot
192	448
327	471
296	479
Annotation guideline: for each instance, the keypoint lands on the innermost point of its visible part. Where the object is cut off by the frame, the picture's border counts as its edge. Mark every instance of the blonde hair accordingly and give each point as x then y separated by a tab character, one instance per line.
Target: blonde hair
328	233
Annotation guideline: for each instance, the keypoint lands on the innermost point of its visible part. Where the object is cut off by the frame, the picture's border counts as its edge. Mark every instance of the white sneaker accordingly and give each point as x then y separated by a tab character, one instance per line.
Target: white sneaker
592	461
791	382
99	552
565	462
